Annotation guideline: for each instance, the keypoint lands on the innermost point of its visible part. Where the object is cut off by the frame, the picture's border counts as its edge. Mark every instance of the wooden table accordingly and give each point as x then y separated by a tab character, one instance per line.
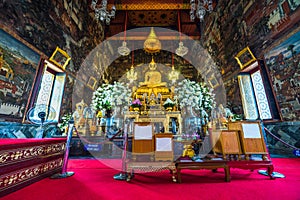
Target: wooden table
252	165
207	164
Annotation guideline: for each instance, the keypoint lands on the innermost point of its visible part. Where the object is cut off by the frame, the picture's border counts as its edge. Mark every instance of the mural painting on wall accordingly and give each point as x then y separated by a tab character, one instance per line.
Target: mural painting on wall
284	67
282	14
18	65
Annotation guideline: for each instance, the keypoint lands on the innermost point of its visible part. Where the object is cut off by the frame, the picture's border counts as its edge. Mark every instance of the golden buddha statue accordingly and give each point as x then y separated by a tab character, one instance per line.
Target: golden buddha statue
153	77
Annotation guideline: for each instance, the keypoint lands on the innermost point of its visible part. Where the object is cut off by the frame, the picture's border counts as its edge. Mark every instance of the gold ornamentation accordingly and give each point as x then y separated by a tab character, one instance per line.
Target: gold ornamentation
173	75
152	44
136	109
13	155
19	176
131	74
245	58
188	151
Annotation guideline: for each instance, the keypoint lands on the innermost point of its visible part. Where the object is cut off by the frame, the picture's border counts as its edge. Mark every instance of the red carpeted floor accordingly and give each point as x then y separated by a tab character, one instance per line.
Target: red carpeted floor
94	180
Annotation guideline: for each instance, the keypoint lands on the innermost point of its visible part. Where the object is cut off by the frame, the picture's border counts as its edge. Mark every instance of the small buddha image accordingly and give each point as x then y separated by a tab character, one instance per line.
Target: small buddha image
152	100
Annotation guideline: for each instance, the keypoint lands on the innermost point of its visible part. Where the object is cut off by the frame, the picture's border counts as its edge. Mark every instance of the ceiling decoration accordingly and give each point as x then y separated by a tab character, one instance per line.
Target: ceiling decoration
132	15
153	18
152	4
153	13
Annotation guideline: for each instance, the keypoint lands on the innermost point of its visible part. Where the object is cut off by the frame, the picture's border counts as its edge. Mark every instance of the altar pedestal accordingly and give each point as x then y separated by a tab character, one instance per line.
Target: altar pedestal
25	161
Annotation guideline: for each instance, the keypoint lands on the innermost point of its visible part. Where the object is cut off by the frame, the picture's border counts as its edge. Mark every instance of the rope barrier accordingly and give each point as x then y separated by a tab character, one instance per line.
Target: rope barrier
280	140
101	142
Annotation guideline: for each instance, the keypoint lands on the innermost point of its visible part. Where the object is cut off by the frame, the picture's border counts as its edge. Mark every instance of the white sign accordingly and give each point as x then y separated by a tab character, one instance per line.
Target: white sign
164	144
143	132
251	131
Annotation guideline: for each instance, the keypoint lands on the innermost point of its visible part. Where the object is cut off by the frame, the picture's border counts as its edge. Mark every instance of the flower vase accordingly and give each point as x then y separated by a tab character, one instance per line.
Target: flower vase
108	120
189	121
118	118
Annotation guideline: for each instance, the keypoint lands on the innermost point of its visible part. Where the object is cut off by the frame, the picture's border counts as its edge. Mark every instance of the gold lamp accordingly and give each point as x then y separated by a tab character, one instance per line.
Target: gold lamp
131	74
152	44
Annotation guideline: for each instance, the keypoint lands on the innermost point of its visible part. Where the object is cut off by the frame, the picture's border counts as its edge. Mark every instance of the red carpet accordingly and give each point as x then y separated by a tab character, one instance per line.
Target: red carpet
94	180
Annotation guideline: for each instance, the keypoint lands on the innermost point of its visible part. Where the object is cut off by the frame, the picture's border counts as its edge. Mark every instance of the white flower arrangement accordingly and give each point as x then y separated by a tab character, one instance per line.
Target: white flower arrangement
110	95
196	95
64	122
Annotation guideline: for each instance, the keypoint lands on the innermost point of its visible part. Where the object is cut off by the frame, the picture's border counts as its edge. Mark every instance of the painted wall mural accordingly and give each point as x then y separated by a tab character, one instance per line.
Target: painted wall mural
284	67
258	24
18	65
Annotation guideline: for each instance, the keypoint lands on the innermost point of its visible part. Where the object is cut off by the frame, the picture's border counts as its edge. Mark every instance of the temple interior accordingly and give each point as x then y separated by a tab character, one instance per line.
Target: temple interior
159	82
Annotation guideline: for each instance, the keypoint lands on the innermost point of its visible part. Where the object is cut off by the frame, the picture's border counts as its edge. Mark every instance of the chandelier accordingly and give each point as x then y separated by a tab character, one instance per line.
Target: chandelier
131	75
124	50
181	50
152	44
173	75
101	13
200	9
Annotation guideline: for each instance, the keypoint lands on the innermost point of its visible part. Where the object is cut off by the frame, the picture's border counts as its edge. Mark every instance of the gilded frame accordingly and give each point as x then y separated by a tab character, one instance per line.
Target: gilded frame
60	58
245	57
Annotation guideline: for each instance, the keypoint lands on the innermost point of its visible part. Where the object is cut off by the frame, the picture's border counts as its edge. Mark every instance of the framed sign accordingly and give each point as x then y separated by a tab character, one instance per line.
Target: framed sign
19	62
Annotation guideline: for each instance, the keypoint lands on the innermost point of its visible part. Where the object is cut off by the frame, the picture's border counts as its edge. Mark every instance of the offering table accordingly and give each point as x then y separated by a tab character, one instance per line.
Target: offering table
205	164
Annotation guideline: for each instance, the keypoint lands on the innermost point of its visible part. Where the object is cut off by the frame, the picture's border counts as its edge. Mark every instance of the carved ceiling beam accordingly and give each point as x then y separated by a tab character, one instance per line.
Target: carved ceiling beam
162	35
151	5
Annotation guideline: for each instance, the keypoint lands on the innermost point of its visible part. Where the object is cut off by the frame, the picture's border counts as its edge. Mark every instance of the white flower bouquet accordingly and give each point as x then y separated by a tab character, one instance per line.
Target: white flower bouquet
110	95
64	122
196	95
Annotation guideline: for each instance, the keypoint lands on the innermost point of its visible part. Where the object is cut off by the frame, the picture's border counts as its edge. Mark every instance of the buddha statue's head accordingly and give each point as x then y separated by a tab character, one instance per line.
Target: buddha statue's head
152	65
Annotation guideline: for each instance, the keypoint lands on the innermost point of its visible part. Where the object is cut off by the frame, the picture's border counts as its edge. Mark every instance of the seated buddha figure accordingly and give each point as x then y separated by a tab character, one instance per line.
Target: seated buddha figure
152	77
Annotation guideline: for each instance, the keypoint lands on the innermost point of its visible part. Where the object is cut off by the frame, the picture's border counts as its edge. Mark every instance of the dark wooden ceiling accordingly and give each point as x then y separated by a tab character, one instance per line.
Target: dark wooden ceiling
165	14
171	14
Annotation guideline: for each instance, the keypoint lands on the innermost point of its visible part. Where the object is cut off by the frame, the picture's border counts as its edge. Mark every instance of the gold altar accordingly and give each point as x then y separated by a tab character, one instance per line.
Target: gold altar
153	93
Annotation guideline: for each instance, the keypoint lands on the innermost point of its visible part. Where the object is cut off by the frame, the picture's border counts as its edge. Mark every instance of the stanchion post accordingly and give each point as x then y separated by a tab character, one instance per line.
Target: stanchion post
64	173
123	175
